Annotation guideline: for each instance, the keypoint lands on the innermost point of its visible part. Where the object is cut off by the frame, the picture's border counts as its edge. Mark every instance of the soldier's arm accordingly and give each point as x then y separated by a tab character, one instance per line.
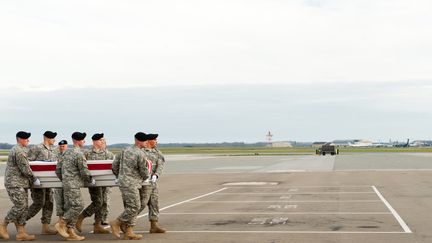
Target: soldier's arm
58	170
160	164
32	153
24	166
110	155
83	168
116	164
86	154
142	166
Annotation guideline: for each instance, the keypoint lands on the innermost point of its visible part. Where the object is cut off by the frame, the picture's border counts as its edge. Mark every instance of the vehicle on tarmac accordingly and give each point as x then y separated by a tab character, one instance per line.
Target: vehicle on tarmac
328	148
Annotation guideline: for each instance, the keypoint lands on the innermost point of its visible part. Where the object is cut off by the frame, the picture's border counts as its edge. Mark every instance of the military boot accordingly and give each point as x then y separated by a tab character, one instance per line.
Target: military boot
123	227
115	227
130	235
47	231
79	222
154	227
98	229
3	231
61	227
22	235
73	236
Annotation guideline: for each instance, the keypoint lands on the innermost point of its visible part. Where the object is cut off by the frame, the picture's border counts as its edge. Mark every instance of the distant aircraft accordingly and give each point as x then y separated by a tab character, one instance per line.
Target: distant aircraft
360	143
406	145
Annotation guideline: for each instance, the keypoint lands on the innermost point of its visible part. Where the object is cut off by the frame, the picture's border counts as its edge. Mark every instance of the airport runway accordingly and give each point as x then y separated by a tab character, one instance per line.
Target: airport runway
348	198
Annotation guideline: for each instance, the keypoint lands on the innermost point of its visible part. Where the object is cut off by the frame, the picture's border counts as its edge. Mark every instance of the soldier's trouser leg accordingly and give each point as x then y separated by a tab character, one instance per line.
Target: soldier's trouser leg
96	204
105	203
132	204
153	203
144	196
19	210
73	205
38	197
59	202
48	206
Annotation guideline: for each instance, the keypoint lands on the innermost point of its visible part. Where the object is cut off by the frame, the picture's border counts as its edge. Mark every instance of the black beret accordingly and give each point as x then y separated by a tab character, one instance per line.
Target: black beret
152	136
78	136
50	134
140	136
62	142
97	136
23	135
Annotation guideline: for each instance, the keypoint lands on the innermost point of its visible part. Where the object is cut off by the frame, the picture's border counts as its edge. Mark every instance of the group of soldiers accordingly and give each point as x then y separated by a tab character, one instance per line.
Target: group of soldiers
137	169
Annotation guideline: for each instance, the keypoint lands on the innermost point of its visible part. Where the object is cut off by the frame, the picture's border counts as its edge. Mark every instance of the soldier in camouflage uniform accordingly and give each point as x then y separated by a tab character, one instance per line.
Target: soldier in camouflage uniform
149	193
43	197
131	169
75	174
18	179
58	192
98	195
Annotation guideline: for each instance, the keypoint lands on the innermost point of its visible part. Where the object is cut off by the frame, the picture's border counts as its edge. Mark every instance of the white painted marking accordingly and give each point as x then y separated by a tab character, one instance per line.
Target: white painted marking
284	232
288	206
175	204
250	183
278	213
296	193
238	168
393	211
256	221
294	201
185	201
269	221
2	183
283	187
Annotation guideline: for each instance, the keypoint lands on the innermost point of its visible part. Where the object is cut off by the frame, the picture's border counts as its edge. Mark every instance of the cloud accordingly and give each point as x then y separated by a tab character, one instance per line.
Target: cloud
212	113
111	43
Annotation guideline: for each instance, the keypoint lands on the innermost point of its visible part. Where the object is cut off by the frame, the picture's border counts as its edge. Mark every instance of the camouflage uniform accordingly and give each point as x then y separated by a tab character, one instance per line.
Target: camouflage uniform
99	195
149	194
18	178
131	170
42	197
58	192
75	174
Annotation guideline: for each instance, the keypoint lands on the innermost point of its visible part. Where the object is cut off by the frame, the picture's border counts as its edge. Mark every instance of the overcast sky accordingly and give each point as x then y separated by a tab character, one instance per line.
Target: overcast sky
214	71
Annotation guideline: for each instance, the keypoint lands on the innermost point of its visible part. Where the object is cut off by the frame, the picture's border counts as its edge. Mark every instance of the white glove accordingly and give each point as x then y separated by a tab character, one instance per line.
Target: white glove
93	182
154	178
37	182
116	181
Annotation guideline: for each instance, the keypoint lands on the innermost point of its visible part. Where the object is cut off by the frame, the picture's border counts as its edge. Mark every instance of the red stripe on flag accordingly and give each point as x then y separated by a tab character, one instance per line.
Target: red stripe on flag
53	167
100	167
43	167
149	166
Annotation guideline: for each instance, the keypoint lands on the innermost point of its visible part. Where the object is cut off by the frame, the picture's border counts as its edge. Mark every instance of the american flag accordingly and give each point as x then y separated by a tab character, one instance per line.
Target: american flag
149	166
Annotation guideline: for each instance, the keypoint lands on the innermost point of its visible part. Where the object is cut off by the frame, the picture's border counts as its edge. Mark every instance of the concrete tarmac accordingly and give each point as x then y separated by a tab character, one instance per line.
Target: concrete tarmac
379	197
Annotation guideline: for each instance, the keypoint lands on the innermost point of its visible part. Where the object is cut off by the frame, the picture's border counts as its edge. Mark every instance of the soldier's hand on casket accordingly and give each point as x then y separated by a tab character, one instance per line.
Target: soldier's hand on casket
154	178
93	182
116	181
36	182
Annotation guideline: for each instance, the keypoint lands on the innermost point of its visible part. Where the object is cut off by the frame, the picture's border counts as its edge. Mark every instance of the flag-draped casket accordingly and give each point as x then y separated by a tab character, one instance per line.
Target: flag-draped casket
99	169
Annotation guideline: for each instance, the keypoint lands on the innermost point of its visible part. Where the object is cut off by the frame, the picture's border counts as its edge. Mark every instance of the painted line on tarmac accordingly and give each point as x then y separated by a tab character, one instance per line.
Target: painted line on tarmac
185	201
2	183
393	211
283	213
295	187
294	193
284	232
176	204
293	201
